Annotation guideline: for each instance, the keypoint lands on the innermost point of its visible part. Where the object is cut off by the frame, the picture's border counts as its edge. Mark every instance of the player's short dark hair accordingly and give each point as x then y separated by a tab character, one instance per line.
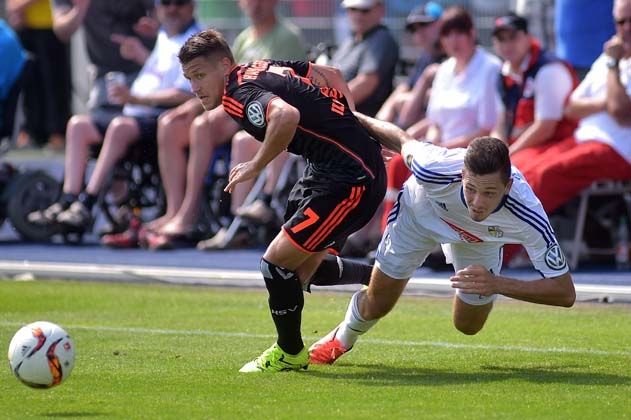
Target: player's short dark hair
488	155
456	19
209	43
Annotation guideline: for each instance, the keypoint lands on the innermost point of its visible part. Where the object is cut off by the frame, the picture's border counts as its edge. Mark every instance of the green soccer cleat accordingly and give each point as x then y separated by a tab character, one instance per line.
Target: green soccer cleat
275	359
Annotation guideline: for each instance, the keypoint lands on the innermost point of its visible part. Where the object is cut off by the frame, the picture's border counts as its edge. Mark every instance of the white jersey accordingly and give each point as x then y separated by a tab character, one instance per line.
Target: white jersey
435	196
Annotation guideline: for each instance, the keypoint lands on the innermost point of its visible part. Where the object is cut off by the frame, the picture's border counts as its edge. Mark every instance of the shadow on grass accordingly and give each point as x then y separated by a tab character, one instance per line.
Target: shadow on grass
381	375
64	414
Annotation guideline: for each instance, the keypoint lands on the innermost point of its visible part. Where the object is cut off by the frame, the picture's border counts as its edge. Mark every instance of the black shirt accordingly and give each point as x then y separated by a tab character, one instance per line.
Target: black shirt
329	136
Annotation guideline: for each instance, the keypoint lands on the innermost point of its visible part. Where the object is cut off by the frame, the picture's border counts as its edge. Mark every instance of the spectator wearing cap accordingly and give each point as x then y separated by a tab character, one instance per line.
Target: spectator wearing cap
534	87
423	24
601	145
368	58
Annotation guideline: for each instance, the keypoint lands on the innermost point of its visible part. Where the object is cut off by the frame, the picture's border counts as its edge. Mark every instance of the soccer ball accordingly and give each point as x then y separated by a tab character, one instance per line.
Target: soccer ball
41	354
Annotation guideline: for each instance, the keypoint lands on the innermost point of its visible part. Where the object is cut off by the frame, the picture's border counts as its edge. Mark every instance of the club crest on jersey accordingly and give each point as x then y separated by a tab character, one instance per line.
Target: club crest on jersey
255	114
555	259
496	231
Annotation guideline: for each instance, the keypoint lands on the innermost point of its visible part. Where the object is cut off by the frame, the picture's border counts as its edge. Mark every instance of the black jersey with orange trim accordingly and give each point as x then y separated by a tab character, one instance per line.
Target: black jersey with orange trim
329	136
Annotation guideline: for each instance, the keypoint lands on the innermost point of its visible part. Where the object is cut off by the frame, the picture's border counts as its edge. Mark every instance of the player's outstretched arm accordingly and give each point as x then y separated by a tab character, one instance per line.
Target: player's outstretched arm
282	121
556	291
321	75
389	135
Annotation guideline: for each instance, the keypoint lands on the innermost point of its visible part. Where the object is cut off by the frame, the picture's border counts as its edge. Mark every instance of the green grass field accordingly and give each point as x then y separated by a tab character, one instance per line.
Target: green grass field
155	351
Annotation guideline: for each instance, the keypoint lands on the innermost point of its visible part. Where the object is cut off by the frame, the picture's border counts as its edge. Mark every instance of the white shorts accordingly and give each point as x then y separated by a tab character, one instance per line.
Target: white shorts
412	236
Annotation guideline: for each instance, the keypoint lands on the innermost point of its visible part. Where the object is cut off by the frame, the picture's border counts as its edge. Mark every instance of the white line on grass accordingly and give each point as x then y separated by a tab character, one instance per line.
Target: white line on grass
442	344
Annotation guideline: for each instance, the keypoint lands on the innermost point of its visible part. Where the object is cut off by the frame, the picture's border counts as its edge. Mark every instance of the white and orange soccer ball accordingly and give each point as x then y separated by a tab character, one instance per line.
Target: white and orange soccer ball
41	354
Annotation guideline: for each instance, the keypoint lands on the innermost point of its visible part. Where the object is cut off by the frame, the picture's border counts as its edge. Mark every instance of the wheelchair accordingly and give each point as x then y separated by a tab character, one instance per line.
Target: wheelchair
22	191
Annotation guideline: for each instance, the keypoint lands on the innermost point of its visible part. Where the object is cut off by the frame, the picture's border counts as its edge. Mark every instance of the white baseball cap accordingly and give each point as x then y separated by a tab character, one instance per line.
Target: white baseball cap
360	4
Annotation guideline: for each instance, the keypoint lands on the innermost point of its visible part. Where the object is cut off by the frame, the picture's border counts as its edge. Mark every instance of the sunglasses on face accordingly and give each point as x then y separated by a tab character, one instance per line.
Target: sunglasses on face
174	2
622	21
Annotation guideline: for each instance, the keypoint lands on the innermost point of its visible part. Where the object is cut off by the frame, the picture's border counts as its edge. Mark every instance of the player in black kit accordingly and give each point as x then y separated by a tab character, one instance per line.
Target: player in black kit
305	109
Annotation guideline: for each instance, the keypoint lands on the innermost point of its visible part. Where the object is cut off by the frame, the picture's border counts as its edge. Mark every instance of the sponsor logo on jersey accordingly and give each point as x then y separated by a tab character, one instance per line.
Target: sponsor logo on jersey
555	259
463	234
255	114
496	231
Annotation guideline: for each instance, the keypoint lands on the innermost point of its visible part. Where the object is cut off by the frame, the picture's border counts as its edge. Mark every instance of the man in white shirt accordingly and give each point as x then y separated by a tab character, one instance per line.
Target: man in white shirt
473	202
601	145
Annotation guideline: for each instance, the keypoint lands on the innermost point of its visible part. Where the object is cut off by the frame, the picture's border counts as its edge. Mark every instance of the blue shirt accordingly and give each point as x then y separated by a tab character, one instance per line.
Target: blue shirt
12	59
582	27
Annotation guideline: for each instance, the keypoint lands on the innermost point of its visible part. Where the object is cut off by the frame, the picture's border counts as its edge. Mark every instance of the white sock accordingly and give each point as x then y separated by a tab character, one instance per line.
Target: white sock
353	325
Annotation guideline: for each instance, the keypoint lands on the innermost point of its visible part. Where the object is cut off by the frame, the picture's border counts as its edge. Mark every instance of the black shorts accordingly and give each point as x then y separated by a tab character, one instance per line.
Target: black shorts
102	117
322	213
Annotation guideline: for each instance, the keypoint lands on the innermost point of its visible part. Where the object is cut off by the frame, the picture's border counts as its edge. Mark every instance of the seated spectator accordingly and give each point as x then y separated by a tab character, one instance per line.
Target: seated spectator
183	130
534	88
160	85
601	146
12	61
101	22
407	104
463	104
368	58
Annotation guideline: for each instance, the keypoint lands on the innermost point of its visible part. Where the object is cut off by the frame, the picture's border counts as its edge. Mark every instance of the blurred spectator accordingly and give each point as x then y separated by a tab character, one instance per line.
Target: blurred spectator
103	22
534	88
47	80
582	26
12	59
368	58
407	103
463	102
183	130
160	85
601	145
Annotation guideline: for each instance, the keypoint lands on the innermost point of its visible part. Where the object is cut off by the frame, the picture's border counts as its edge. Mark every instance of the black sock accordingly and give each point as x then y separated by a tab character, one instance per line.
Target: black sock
266	198
67	199
87	199
285	302
335	270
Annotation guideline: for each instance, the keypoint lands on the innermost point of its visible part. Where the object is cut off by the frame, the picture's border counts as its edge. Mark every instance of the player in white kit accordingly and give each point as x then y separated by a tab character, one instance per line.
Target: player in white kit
472	201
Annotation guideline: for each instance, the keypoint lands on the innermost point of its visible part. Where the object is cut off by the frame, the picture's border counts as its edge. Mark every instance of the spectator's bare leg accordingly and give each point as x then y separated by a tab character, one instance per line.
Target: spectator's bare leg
80	135
208	131
244	147
121	133
173	142
391	108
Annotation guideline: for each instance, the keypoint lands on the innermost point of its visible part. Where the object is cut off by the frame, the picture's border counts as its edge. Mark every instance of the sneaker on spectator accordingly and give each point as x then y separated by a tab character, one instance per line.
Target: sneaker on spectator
47	216
77	216
219	241
258	211
126	239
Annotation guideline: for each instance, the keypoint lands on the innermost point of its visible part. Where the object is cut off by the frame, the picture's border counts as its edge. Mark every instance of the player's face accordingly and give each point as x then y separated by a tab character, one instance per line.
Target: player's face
207	79
483	193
